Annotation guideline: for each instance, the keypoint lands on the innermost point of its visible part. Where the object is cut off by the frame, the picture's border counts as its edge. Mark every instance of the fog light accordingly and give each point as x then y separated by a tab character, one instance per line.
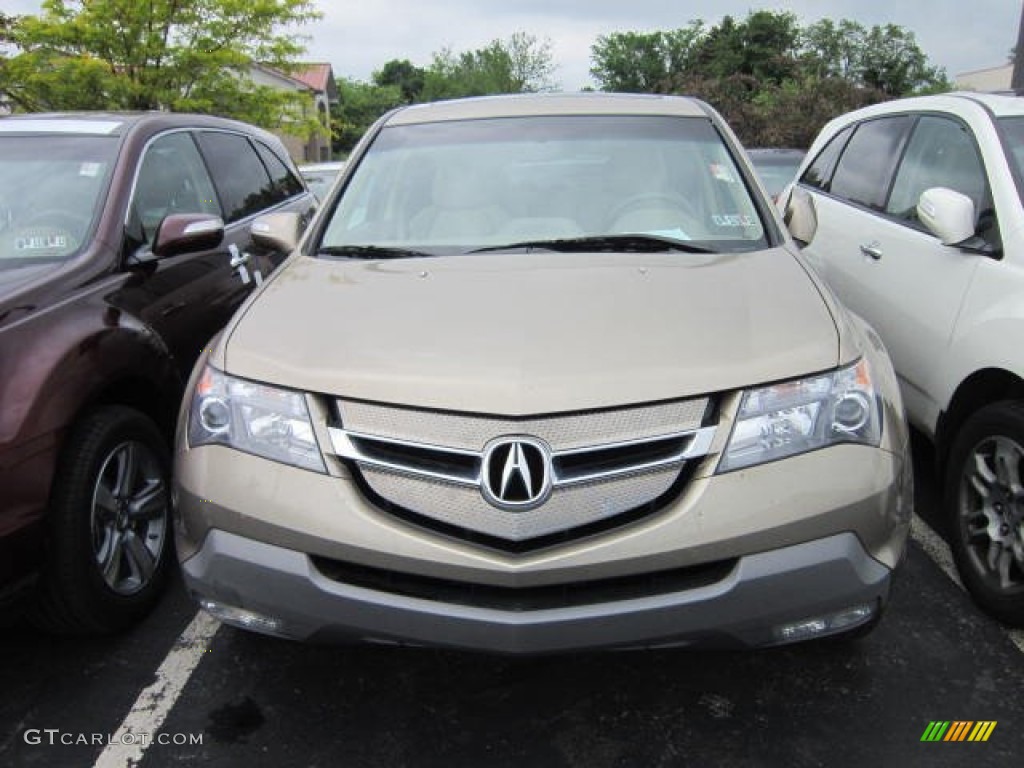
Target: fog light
240	617
828	624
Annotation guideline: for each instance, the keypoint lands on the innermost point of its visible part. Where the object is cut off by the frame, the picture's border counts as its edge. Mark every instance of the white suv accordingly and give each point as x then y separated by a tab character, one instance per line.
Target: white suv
911	211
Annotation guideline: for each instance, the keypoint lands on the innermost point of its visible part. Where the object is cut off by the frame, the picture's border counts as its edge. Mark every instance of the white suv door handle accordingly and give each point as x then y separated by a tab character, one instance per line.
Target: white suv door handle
874	250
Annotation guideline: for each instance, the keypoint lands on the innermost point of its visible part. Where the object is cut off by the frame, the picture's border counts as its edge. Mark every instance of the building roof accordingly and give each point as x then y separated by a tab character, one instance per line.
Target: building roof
318	76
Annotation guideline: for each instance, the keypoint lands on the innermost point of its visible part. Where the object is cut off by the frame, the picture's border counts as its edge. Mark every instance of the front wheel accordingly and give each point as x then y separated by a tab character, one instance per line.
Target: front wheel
984	500
109	542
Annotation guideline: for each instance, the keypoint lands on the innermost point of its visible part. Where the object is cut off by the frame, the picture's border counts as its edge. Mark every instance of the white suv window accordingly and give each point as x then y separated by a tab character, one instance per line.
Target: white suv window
866	166
941	153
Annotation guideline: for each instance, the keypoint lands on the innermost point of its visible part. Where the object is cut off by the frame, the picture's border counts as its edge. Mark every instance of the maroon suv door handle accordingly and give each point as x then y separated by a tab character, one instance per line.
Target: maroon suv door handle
874	250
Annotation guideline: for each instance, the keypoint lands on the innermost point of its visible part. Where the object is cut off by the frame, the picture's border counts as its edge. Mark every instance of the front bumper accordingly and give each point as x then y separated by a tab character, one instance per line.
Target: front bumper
813	535
760	595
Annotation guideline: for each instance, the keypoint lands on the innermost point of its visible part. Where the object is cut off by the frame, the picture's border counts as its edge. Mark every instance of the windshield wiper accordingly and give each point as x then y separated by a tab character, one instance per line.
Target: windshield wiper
370	252
631	243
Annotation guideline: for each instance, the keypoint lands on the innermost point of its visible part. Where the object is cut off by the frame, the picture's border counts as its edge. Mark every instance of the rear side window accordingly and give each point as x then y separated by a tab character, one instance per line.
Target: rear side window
243	182
867	164
819	173
285	183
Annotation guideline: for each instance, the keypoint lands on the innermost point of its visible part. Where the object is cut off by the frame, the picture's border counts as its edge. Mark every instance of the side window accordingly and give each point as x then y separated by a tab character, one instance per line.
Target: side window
941	153
244	185
172	179
819	173
285	183
867	164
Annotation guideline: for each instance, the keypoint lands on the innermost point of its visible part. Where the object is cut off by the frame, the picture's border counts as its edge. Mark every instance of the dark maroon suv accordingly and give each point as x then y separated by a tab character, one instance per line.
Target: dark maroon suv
124	247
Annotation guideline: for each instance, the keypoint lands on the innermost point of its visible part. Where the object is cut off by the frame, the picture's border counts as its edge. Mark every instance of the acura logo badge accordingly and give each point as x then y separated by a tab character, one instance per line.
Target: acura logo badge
516	473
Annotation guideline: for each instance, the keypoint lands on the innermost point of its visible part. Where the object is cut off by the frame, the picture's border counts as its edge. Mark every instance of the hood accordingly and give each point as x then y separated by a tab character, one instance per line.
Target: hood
520	334
13	278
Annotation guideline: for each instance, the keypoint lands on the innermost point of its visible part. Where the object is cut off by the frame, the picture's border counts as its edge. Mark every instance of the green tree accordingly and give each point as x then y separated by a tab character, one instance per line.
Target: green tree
891	61
886	58
763	46
643	62
156	54
404	75
359	105
520	64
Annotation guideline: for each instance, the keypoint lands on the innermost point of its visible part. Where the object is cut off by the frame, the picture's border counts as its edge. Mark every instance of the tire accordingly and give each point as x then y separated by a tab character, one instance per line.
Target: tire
109	542
984	507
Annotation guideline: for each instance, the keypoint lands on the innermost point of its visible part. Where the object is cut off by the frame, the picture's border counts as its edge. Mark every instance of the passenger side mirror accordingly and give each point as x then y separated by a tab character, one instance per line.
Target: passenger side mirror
277	231
187	233
948	214
800	217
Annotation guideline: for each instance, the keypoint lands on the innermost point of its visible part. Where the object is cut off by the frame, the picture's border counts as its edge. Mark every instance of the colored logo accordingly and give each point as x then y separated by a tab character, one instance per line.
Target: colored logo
959	730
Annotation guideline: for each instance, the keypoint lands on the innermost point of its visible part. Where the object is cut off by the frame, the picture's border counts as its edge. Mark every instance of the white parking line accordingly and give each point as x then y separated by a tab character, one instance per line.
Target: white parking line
153	704
939	551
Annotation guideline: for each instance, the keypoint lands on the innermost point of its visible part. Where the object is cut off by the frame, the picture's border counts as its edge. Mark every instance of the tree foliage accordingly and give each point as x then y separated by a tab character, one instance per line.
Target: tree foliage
776	82
359	105
404	75
155	54
520	64
643	62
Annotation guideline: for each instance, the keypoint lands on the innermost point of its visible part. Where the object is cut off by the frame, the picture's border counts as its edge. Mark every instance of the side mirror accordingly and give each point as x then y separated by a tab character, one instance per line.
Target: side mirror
800	217
277	231
948	214
187	233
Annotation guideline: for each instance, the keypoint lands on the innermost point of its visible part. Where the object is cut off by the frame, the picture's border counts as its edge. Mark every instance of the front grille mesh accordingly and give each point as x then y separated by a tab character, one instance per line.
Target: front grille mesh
561	432
606	466
570	507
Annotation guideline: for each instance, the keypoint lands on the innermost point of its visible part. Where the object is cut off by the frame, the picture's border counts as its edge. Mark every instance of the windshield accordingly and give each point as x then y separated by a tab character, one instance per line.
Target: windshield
50	194
454	187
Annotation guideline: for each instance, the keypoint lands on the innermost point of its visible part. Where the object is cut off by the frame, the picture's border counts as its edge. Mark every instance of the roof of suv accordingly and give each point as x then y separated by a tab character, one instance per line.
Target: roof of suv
520	105
111	123
996	104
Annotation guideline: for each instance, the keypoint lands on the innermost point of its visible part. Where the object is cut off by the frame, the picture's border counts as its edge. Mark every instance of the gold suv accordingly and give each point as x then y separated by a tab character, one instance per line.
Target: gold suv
545	373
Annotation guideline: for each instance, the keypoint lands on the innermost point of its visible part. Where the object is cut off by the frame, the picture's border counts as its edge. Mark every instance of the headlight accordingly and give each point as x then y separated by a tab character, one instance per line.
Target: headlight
804	415
269	422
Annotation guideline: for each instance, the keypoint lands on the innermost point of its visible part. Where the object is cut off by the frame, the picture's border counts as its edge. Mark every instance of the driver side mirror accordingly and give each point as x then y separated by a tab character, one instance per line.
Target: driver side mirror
800	217
277	231
948	214
186	233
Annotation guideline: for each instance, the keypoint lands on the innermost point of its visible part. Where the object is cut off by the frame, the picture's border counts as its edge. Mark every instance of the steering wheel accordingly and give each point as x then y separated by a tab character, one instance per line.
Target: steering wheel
658	200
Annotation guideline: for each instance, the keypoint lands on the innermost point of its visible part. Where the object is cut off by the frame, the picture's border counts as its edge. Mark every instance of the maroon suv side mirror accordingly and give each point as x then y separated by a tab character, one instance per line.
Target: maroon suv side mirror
187	232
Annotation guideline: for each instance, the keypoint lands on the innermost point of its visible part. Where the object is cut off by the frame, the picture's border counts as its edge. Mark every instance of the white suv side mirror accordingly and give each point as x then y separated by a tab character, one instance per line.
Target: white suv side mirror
947	214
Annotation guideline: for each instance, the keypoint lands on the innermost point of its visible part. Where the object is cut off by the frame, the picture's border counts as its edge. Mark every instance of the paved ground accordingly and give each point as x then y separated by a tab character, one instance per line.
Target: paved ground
255	701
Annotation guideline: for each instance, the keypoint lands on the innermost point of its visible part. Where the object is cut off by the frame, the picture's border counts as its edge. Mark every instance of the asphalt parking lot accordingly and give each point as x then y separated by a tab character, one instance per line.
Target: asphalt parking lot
226	697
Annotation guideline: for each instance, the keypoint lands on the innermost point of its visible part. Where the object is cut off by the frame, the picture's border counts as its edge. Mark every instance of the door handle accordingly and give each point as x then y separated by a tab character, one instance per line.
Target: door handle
874	250
238	258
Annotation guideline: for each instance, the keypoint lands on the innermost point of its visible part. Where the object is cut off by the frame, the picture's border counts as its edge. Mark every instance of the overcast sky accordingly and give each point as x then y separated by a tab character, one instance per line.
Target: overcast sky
358	36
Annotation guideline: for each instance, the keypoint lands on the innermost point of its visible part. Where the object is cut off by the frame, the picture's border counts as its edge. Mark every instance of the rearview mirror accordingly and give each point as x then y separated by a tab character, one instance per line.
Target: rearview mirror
277	231
948	214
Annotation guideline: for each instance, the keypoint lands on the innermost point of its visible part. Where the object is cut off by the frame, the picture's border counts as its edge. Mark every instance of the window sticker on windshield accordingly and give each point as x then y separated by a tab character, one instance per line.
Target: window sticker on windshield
722	173
42	242
732	220
90	170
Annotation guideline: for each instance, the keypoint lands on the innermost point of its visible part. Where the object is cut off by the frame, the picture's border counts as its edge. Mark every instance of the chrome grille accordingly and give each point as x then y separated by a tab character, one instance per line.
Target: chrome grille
603	464
562	432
